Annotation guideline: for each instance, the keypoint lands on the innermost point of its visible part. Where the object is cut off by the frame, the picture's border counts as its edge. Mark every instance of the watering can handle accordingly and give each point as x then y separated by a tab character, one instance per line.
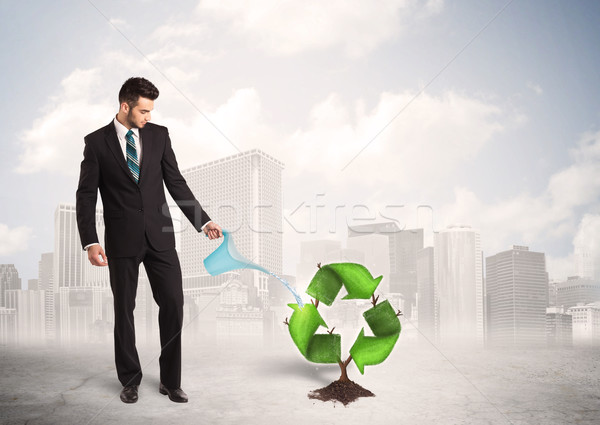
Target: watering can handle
222	231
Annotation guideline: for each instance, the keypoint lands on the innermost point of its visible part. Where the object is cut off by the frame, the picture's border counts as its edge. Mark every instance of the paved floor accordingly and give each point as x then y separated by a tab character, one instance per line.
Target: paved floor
235	385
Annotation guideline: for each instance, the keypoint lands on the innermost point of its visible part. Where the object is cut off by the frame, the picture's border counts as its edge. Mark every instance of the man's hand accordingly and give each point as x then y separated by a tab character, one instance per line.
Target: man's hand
213	230
94	254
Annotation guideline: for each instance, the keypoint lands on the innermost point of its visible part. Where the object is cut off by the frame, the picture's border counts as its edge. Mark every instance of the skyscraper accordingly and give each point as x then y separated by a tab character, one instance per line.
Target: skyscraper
577	290
45	282
8	325
242	193
376	251
69	258
403	245
517	291
33	284
71	265
30	315
458	277
586	323
586	263
77	285
426	293
9	279
559	327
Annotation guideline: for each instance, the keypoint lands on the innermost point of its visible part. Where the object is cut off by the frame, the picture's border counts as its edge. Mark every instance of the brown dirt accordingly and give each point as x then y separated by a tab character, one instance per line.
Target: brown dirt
343	391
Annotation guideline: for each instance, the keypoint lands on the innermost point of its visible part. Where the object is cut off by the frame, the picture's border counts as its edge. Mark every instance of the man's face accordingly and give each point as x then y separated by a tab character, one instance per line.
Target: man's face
139	115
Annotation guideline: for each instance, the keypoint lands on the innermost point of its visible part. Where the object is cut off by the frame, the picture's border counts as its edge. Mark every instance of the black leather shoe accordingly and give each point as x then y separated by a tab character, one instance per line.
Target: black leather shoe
129	394
178	396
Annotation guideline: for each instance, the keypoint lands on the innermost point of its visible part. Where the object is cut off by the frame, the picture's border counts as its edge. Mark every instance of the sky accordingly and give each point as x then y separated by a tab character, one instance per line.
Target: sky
487	111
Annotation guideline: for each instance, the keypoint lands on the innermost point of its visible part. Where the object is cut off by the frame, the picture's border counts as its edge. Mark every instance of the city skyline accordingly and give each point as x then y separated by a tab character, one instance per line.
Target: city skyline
79	296
484	112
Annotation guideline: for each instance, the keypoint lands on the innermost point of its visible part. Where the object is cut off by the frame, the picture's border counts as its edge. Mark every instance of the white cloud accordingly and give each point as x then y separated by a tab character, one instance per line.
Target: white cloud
560	268
179	30
536	88
287	27
117	22
54	143
434	6
425	143
578	184
542	219
15	239
588	235
197	141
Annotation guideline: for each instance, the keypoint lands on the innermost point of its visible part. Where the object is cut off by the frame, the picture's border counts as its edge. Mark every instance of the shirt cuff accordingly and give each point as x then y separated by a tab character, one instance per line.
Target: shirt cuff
85	248
204	225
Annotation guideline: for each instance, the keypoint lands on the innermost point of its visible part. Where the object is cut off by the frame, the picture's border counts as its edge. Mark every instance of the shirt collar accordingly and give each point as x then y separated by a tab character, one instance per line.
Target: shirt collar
122	130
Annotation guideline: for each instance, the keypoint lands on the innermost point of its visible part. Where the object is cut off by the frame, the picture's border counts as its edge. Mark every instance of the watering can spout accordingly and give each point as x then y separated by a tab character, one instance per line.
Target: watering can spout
227	258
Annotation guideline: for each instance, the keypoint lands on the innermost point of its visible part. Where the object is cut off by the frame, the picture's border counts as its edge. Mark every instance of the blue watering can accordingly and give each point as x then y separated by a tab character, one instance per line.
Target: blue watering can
227	258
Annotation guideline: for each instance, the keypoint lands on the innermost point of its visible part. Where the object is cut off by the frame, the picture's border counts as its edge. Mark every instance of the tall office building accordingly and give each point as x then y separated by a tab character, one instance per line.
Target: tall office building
81	309
243	194
426	293
237	320
517	295
458	277
559	327
45	283
9	279
74	279
403	245
586	323
30	315
69	258
586	263
376	251
71	265
8	325
587	248
577	290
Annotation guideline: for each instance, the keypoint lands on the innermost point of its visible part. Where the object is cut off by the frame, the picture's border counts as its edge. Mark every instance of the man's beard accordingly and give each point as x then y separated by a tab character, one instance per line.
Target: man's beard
130	121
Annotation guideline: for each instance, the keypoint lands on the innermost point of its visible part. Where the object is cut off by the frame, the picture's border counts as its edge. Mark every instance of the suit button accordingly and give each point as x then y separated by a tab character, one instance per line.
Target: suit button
141	210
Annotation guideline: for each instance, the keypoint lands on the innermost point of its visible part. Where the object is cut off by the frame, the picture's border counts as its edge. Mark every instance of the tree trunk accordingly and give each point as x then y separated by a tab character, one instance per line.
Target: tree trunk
343	367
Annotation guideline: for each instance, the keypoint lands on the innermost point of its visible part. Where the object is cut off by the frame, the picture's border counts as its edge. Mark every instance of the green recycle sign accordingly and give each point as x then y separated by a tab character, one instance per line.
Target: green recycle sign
326	348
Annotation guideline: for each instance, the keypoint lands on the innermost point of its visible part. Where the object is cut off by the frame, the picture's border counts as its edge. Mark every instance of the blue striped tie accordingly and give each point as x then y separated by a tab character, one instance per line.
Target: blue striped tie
132	158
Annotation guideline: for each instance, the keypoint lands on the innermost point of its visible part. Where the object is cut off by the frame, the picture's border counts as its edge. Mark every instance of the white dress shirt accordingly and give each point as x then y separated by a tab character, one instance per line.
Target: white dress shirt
121	132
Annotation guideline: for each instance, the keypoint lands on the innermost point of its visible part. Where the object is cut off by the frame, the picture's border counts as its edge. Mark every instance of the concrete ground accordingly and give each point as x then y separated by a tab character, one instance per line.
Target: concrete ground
417	384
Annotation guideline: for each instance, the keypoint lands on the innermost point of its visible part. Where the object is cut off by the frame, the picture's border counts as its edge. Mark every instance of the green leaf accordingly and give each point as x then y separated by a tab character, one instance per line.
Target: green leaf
328	280
322	348
372	350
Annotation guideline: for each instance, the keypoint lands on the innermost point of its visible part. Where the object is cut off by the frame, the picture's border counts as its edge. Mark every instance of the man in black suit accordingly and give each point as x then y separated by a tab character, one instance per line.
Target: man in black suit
128	160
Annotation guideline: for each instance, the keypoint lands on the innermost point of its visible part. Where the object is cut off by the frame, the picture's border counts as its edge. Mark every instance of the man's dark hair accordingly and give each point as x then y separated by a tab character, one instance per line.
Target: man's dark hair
135	87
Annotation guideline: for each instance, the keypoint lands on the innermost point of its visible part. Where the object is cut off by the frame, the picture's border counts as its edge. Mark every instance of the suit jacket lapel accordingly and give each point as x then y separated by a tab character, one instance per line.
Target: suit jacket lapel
146	136
114	145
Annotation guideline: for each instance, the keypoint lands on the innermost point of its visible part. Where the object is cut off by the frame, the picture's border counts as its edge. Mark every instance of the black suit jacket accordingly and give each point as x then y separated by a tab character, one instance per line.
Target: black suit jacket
132	209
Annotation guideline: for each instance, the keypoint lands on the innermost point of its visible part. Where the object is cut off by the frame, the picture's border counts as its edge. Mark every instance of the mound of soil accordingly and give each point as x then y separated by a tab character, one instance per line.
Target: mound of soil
343	391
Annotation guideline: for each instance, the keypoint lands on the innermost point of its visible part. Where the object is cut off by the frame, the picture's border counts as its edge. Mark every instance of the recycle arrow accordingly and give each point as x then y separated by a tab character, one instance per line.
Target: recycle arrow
326	348
372	350
328	281
317	348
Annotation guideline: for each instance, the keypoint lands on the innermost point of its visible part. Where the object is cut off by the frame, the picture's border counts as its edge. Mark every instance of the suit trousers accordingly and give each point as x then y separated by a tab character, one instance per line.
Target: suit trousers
164	274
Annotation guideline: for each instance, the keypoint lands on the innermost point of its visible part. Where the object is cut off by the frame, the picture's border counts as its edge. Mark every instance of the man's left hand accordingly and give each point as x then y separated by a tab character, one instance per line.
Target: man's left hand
213	230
